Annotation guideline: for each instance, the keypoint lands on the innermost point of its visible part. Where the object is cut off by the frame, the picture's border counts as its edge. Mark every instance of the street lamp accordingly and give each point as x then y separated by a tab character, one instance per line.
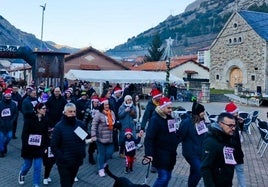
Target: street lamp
167	77
42	26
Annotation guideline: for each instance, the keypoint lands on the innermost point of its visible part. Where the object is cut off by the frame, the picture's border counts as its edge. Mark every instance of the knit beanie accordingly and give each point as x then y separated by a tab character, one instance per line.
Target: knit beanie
127	97
197	108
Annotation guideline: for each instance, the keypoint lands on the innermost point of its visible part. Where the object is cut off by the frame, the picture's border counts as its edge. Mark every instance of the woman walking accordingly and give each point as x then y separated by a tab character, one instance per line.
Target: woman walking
34	141
102	133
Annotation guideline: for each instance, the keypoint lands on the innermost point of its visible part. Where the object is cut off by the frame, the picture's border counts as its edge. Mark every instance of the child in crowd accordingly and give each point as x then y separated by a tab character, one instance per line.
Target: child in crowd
130	148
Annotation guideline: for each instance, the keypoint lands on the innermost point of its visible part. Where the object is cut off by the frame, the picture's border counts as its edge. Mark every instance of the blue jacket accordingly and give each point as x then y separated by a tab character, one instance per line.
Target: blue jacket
191	142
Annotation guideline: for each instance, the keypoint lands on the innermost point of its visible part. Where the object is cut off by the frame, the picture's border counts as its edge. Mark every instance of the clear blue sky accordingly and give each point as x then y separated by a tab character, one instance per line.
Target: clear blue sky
102	24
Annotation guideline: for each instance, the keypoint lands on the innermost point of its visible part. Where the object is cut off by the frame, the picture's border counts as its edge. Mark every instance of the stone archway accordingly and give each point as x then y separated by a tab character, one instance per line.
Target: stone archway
236	77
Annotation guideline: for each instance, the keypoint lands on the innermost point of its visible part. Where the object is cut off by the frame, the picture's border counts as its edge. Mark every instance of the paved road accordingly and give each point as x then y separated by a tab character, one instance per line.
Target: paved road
255	167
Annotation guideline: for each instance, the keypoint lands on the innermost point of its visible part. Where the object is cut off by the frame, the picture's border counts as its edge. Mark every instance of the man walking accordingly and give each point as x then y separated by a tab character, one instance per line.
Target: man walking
217	167
161	142
9	112
68	146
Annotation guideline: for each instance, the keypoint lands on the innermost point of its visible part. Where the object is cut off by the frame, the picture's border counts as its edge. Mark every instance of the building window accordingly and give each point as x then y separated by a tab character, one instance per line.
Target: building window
230	41
235	25
252	77
217	77
240	39
235	40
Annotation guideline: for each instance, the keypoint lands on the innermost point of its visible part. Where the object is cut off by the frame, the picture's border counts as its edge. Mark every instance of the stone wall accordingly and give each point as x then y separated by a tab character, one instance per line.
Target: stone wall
238	46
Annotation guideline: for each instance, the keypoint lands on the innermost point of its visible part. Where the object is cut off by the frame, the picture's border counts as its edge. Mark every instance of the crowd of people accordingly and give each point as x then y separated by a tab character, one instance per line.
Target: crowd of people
57	126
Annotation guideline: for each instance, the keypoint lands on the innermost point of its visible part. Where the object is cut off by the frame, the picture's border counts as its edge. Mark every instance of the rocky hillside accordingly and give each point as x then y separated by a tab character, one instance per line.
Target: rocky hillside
192	30
10	35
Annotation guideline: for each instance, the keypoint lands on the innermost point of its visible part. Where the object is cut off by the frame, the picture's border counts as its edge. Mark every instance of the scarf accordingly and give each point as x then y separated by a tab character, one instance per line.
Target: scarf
110	120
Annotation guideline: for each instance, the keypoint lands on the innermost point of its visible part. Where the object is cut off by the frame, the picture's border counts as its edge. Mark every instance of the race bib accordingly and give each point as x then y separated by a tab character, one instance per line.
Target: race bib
130	146
228	154
171	125
35	139
6	112
49	153
201	128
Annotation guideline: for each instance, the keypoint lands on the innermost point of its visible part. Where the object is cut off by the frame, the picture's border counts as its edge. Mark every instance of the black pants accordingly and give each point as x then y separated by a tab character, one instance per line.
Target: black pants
67	175
115	140
14	128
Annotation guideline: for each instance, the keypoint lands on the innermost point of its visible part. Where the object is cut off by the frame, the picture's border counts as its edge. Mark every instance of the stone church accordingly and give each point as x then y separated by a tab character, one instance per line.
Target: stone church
239	54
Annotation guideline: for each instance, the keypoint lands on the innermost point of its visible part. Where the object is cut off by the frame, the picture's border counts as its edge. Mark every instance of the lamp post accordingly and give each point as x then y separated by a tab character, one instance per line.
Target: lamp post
42	26
167	77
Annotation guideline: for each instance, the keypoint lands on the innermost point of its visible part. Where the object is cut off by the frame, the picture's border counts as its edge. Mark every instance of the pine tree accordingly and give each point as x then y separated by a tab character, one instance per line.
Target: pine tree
155	51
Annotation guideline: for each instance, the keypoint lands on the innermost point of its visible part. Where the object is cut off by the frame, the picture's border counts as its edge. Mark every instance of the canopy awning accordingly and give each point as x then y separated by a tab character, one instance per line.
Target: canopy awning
121	76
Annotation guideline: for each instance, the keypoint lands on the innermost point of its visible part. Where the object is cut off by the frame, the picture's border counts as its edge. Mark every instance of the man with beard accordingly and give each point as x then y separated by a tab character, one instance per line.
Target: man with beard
218	161
161	142
68	146
9	112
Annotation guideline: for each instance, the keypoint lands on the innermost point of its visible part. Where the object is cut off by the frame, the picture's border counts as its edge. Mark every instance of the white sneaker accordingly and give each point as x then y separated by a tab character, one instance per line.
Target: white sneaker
21	179
49	179
45	181
75	179
101	173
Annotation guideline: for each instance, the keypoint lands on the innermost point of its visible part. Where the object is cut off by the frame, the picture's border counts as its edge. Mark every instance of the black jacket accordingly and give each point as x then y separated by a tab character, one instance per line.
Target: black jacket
214	171
147	113
160	143
67	147
32	126
55	108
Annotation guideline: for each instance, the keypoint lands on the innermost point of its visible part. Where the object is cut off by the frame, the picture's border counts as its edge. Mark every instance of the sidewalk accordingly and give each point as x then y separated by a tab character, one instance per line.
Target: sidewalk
255	167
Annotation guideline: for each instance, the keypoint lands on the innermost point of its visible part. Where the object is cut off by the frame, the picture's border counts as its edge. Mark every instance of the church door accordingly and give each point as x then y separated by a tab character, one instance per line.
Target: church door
236	76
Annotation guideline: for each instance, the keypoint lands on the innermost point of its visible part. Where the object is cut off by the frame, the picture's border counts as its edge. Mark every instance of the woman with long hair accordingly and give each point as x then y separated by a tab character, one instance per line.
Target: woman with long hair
102	133
192	132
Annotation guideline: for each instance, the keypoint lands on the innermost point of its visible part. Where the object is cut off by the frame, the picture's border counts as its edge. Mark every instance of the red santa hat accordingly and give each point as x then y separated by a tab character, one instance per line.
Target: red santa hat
128	131
8	92
95	98
231	108
117	90
156	93
164	101
104	100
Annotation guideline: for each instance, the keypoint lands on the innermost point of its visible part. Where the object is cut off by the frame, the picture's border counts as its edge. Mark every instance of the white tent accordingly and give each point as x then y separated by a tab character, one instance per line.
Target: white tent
121	76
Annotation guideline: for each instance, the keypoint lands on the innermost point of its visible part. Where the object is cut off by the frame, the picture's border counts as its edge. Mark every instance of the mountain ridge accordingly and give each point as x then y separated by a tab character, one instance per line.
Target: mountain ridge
194	29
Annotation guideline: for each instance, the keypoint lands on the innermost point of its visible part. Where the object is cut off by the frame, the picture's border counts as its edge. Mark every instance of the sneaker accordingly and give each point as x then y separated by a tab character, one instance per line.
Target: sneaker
49	179
21	179
101	173
75	179
45	181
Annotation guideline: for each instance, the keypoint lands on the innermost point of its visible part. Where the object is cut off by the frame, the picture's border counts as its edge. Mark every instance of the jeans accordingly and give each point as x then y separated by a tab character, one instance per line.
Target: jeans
163	178
239	169
4	140
37	167
195	173
105	152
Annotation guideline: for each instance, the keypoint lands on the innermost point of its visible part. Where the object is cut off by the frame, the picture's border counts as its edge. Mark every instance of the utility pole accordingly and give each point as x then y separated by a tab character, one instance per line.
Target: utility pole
42	26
